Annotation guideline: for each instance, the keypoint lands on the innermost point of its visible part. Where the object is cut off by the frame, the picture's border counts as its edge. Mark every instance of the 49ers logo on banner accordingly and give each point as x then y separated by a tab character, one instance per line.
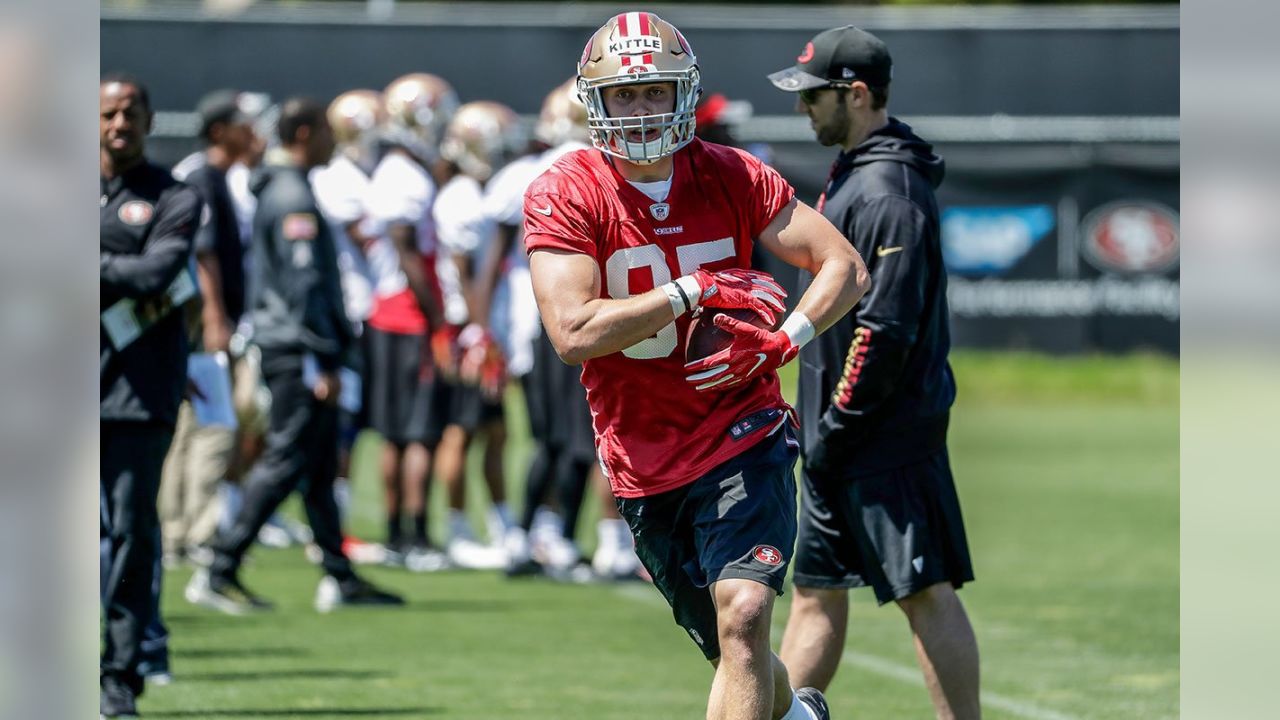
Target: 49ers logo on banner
1132	236
767	554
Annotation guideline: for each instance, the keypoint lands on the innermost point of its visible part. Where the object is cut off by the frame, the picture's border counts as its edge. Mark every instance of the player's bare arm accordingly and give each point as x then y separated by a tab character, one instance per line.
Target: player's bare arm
405	242
802	237
581	324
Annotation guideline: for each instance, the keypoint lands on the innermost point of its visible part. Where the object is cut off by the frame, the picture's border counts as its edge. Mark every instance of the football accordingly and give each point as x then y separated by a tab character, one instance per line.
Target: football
705	339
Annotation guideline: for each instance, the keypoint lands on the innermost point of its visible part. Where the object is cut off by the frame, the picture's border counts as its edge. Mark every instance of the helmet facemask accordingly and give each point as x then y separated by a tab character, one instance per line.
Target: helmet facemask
632	49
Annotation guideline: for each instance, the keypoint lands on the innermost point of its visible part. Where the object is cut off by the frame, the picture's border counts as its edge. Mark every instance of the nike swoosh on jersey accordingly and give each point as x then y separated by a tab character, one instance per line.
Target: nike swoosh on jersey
543	211
880	251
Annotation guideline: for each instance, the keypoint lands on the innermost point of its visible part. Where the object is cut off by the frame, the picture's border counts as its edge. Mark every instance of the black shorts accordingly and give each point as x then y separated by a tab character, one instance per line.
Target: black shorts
897	531
559	416
737	521
453	403
399	381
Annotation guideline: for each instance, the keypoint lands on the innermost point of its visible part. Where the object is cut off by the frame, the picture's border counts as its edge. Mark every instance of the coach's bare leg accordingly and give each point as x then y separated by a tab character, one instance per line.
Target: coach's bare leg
814	639
743	688
947	651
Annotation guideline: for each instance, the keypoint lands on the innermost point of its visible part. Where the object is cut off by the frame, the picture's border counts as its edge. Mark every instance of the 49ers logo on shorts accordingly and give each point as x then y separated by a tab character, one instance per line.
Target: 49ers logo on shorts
767	554
136	212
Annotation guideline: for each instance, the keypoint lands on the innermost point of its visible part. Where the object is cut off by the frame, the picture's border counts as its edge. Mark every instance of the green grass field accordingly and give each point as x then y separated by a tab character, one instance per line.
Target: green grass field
1068	473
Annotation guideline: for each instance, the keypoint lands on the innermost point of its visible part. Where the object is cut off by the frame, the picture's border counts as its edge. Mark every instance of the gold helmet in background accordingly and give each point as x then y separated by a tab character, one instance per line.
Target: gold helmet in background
354	115
418	108
482	137
635	48
563	117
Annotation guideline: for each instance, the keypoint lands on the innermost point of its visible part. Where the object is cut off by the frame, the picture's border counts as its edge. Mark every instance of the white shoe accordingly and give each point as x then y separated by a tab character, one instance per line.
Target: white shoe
516	544
474	555
426	559
197	587
328	594
274	536
561	554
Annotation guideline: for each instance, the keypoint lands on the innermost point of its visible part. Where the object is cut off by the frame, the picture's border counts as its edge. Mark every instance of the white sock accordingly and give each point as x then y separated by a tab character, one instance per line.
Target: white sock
502	514
459	528
608	537
799	711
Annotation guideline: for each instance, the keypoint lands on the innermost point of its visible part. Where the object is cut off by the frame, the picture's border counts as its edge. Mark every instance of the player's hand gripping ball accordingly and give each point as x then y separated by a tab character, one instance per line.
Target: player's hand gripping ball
741	289
727	346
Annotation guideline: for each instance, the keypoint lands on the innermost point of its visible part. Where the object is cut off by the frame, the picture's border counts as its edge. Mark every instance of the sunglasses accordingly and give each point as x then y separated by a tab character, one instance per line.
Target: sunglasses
808	96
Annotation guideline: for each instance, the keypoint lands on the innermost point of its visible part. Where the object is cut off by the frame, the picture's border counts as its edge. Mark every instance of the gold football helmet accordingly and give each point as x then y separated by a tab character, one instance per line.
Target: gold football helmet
633	48
355	114
563	117
418	108
482	137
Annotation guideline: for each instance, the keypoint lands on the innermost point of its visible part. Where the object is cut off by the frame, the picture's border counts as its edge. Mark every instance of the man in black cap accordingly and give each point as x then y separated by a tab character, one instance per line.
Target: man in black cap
301	328
878	505
201	455
147	220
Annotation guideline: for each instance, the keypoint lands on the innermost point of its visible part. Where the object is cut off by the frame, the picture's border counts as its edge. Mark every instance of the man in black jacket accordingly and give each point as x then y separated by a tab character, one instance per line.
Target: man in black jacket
295	303
879	506
147	220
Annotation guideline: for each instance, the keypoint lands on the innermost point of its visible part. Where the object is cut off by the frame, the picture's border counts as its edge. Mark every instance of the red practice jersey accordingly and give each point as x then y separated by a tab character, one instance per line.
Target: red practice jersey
654	432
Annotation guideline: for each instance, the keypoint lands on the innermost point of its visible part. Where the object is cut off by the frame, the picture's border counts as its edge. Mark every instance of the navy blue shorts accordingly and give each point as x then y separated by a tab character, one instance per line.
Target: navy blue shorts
737	521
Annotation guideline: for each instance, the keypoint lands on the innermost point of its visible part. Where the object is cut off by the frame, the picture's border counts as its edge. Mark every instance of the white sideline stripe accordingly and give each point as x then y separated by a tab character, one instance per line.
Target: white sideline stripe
884	668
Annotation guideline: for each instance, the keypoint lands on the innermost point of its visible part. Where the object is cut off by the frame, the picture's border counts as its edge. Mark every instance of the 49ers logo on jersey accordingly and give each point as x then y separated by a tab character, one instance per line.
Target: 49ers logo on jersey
136	212
767	554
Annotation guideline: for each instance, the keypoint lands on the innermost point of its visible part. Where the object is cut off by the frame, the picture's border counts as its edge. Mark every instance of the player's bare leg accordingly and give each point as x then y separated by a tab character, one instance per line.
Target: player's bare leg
814	639
415	470
391	457
495	444
743	688
451	463
946	649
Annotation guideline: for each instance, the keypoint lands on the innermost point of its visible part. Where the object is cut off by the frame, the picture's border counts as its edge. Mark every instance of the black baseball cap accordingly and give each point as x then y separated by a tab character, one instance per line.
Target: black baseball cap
838	56
223	106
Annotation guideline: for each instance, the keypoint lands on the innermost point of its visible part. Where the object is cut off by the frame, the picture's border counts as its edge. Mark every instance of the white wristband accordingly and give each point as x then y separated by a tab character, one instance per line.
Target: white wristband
798	329
691	289
679	305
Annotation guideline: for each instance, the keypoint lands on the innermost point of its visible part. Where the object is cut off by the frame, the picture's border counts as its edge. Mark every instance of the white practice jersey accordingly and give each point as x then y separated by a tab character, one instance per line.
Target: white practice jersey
400	192
464	231
515	310
340	189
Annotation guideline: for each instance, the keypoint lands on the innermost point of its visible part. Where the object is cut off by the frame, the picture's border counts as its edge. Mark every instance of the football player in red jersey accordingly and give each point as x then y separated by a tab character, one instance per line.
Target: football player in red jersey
625	240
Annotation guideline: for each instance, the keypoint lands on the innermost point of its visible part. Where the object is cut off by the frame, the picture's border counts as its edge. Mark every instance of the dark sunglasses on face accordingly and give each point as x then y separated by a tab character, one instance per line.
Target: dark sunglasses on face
810	95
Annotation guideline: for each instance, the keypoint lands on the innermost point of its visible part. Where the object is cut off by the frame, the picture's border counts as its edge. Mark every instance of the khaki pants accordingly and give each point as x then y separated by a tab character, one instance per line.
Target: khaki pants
197	461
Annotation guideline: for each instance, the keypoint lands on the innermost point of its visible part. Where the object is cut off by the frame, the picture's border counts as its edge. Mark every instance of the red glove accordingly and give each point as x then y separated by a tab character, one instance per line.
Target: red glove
445	352
482	363
754	352
738	288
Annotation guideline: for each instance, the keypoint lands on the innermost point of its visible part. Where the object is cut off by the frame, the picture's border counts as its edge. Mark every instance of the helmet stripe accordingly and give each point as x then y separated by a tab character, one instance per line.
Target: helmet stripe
644	24
622	24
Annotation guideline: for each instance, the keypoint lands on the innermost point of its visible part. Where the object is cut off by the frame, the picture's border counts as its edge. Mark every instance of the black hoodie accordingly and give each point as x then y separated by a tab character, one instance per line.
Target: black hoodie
876	389
295	297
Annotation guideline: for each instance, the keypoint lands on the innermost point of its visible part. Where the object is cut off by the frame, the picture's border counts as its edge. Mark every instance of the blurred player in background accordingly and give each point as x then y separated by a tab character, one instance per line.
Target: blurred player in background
471	376
559	418
407	305
341	188
879	506
699	451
